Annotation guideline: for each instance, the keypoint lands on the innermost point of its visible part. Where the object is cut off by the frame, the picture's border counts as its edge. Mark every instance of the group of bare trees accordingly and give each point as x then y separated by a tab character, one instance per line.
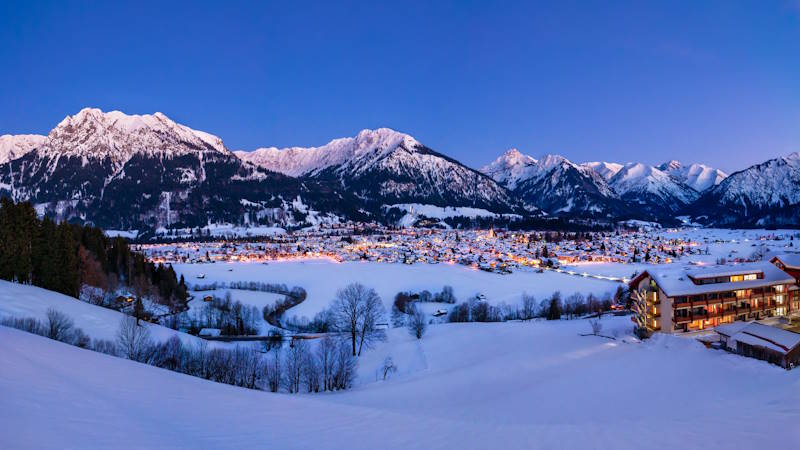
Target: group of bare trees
57	326
330	367
232	318
554	307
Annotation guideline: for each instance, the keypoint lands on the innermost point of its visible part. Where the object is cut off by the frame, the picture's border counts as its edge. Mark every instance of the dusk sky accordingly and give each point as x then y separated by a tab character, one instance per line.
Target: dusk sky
711	81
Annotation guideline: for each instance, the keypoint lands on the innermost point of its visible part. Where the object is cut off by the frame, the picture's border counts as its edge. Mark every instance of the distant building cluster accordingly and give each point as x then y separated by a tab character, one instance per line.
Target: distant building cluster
491	250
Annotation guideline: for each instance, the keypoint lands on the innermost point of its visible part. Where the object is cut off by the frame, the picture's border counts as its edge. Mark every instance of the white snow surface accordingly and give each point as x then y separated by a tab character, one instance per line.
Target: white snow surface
443	212
510	385
16	146
322	278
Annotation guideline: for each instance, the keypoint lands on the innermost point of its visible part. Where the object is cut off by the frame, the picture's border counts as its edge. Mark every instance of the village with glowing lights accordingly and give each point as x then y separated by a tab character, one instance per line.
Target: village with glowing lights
499	251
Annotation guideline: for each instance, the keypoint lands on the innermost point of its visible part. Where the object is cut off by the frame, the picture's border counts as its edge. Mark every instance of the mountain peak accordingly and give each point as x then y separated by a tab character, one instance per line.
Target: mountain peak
94	133
603	168
511	167
551	160
671	165
794	156
697	176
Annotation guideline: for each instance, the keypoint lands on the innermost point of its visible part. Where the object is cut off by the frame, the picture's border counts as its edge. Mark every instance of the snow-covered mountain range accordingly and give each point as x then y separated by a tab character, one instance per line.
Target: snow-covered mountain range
147	171
555	184
767	194
135	172
603	188
384	166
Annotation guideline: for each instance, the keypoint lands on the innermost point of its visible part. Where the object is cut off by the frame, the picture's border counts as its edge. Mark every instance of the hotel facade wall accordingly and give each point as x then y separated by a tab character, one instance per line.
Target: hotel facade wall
693	314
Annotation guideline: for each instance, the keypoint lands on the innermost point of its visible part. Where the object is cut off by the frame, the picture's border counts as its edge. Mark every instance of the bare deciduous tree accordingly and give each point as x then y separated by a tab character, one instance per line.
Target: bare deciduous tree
345	367
59	325
293	365
415	322
326	358
133	341
273	370
357	310
528	307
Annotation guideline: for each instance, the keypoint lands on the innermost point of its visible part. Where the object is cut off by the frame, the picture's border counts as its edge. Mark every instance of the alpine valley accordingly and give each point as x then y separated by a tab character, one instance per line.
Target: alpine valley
147	172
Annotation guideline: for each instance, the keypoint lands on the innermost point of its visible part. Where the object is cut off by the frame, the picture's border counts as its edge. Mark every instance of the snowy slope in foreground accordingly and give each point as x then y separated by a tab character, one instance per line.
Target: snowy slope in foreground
513	385
18	300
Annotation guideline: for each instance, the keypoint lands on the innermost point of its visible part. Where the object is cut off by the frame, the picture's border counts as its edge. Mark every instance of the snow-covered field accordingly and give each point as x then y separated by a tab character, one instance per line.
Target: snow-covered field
509	385
322	278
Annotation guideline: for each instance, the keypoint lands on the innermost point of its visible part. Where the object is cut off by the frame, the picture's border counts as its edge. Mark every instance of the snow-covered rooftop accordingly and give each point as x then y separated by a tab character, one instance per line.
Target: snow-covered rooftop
790	260
676	282
774	338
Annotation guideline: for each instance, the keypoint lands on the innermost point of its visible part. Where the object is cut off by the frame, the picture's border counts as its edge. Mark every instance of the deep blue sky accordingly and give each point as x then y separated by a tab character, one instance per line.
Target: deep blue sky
711	81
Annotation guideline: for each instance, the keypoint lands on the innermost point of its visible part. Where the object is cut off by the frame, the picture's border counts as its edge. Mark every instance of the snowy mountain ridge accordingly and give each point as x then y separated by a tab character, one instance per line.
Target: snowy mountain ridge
384	166
604	169
16	146
121	170
554	184
763	194
647	185
116	136
699	177
357	153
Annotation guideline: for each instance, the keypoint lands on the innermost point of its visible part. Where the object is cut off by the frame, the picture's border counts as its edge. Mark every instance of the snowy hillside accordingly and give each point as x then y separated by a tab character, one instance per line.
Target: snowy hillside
16	146
699	177
527	385
17	300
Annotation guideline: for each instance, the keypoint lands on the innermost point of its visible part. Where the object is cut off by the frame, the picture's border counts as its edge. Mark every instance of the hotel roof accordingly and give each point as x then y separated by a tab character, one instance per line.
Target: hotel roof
676	281
790	260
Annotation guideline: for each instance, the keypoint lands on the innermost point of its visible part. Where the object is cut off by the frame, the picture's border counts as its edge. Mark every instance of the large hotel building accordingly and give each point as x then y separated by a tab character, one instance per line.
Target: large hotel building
705	297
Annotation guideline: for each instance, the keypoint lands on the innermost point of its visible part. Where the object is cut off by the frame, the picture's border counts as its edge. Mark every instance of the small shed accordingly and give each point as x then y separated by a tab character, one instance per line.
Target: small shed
210	332
767	343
